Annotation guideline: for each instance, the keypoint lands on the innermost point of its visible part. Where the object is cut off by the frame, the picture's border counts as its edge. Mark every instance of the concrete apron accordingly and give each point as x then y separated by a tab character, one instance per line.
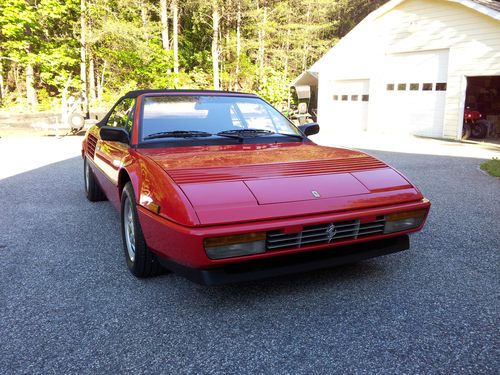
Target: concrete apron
365	140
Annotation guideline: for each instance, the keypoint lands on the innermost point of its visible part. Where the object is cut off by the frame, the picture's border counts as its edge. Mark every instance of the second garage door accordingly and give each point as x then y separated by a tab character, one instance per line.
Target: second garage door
413	97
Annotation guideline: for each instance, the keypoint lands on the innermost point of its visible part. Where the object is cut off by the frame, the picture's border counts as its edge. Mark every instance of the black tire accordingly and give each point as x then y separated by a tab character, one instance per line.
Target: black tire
479	130
143	263
466	130
93	191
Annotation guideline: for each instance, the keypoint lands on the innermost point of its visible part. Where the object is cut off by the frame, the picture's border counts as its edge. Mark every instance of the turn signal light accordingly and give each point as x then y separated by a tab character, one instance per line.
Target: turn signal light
403	220
235	245
405	215
153	207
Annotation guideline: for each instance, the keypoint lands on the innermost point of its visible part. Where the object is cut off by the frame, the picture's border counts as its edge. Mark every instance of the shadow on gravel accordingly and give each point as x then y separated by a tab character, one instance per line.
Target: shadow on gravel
296	284
69	305
59	186
52	200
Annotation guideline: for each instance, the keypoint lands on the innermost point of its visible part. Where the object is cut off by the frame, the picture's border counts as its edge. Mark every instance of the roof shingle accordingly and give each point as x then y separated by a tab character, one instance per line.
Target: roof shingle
492	4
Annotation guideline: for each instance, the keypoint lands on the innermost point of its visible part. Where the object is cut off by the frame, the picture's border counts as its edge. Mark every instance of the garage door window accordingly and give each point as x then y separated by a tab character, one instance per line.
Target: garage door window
401	86
390	87
427	87
352	98
441	86
414	86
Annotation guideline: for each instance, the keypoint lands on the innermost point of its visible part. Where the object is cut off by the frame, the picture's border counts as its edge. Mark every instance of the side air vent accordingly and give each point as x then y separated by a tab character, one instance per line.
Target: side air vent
91	143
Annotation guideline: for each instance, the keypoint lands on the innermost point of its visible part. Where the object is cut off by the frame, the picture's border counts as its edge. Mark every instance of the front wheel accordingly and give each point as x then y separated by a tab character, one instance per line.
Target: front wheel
140	260
479	129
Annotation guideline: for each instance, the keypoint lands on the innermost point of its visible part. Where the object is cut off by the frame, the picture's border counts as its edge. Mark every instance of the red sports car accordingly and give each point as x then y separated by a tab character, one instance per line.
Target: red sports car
221	187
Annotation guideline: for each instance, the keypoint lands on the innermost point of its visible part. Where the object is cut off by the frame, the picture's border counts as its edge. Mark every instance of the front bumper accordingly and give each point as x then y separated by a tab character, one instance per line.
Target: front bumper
293	263
184	245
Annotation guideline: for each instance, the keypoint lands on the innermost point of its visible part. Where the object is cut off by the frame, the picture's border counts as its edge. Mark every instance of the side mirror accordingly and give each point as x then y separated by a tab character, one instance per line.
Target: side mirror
309	129
109	133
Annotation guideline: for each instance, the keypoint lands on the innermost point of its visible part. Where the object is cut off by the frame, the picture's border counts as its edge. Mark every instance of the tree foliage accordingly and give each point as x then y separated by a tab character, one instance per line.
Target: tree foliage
261	45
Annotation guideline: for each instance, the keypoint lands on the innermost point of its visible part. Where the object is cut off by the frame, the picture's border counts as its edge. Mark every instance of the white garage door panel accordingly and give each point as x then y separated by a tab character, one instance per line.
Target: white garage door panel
415	111
349	104
427	66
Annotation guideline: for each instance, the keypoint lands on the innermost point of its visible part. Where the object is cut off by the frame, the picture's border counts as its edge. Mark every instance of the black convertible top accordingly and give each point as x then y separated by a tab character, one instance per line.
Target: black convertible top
136	93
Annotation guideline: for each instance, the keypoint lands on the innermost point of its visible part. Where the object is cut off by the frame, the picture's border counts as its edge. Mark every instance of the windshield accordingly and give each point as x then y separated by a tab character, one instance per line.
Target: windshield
210	114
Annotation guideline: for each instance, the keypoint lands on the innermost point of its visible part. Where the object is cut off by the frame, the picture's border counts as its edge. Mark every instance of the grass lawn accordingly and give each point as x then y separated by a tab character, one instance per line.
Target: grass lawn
492	167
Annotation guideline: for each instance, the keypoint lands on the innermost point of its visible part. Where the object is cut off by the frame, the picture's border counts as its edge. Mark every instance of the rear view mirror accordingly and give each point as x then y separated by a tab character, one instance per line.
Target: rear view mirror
309	129
109	133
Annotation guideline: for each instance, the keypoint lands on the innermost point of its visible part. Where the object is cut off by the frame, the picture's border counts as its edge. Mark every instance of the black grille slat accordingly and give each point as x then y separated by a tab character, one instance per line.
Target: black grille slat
324	233
371	226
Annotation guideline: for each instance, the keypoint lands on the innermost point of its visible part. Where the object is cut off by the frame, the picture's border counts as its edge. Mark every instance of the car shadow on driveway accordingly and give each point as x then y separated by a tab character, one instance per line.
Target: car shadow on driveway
50	220
47	206
69	302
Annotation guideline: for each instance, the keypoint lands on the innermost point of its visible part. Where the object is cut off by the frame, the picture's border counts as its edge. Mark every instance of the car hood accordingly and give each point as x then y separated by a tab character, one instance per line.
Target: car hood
227	184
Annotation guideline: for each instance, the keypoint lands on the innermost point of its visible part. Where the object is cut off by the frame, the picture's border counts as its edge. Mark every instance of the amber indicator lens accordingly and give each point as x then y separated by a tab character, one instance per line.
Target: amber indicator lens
235	245
405	215
403	221
236	238
154	207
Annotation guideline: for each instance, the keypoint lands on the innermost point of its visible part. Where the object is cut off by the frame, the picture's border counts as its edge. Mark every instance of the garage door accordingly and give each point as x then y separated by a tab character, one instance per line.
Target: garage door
413	93
349	104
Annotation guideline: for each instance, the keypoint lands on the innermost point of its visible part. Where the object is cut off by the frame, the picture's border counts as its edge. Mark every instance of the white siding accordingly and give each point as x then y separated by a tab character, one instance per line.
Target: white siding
472	39
410	108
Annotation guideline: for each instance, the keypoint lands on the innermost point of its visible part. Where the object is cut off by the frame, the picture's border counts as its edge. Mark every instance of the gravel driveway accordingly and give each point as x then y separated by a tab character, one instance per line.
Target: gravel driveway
68	304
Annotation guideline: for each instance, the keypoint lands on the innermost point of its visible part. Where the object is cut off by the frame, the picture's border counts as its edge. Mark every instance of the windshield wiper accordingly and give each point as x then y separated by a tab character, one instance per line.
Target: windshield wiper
249	133
244	133
178	134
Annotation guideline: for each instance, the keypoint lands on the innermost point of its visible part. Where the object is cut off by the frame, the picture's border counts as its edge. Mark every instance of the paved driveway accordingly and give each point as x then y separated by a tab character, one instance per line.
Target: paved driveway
68	305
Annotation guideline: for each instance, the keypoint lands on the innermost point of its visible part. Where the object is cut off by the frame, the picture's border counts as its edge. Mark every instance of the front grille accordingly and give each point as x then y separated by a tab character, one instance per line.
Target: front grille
91	143
324	233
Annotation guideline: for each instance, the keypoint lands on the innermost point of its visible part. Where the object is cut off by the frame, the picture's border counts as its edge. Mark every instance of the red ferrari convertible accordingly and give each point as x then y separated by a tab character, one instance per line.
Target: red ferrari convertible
221	187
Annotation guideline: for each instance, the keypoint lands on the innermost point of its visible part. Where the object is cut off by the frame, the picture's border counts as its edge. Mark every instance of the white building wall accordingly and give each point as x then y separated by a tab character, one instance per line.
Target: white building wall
472	39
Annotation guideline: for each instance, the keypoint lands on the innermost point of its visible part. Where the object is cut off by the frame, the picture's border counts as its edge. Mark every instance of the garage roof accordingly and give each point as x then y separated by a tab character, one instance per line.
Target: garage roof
489	8
495	5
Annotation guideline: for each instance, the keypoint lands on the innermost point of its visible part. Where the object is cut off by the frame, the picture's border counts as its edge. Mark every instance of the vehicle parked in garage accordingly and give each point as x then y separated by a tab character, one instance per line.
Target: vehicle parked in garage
221	187
474	126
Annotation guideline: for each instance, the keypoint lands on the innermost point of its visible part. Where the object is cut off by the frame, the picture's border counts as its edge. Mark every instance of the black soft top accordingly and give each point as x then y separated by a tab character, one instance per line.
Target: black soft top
136	93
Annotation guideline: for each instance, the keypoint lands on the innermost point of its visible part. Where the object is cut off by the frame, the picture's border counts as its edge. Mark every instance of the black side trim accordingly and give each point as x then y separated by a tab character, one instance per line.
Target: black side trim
287	264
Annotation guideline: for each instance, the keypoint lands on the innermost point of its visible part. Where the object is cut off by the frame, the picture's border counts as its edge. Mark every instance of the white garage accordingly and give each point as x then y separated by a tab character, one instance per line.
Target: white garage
405	68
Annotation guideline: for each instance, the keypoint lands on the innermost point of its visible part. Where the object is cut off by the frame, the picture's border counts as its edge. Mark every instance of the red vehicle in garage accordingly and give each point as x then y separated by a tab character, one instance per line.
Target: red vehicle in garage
221	187
473	125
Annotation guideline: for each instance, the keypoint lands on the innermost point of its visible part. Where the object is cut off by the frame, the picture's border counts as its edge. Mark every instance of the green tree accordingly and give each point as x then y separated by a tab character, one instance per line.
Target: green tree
245	45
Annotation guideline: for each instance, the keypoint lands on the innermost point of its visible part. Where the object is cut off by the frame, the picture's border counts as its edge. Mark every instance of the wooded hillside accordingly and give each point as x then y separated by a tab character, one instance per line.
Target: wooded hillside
98	49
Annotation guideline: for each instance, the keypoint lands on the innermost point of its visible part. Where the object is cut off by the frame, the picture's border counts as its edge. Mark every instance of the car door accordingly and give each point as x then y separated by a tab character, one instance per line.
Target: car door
109	155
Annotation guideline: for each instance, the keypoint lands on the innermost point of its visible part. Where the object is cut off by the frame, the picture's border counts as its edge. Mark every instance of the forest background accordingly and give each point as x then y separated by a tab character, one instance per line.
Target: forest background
96	50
